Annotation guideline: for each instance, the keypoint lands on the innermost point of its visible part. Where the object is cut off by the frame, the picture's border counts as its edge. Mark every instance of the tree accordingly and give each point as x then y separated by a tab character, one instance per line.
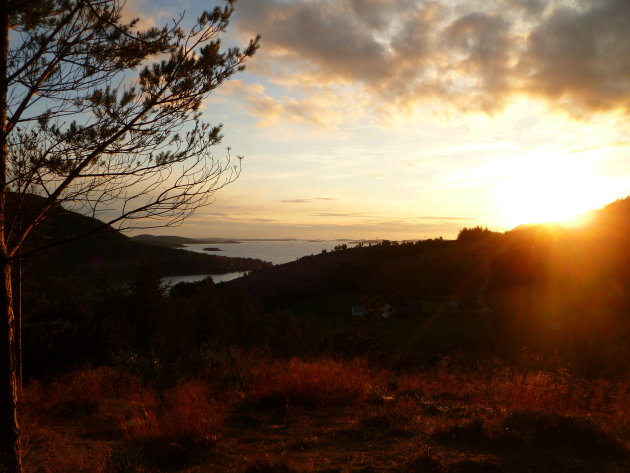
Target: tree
101	116
475	234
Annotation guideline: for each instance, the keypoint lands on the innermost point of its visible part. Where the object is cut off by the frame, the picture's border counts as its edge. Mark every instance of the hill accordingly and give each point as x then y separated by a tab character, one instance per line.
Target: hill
546	286
166	240
105	247
177	241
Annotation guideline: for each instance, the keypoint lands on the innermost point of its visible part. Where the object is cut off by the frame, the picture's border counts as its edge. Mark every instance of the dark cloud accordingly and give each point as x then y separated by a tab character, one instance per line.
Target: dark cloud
532	7
573	53
484	43
409	72
377	14
324	35
580	56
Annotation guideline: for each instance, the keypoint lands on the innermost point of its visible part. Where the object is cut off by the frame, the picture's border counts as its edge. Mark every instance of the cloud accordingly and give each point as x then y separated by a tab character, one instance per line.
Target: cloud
341	214
381	219
573	54
483	42
138	9
316	110
533	7
580	56
236	214
446	218
379	229
324	34
385	229
261	220
306	201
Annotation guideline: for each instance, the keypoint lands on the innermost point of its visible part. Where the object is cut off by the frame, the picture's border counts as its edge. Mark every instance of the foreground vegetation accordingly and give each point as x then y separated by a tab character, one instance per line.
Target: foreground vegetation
245	413
508	353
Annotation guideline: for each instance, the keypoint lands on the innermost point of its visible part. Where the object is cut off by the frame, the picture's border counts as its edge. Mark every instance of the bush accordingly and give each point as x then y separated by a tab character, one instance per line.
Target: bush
186	414
79	394
323	382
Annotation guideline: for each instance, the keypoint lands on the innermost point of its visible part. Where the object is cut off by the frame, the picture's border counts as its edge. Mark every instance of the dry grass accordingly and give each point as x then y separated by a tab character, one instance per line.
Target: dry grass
89	421
49	449
314	383
186	412
499	388
337	416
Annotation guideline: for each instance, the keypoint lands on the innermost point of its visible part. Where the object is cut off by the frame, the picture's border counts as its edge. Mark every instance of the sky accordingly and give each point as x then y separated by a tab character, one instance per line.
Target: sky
401	119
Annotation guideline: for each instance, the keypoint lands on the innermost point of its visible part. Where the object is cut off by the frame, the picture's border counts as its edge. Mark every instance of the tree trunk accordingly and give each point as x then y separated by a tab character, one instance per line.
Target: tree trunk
10	448
18	324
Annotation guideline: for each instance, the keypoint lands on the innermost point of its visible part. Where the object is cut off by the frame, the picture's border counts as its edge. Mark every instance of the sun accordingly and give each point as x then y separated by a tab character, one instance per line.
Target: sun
548	189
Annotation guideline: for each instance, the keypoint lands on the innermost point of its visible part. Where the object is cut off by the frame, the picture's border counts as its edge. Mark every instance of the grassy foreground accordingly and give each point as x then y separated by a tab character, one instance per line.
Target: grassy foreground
250	414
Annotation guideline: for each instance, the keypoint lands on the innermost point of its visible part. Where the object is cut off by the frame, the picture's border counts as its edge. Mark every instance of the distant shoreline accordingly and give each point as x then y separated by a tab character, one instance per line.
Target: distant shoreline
174	241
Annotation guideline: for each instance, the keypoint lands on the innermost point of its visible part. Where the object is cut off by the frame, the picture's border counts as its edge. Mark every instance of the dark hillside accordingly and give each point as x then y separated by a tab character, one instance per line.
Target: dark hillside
91	298
545	286
174	241
170	241
431	270
566	289
106	247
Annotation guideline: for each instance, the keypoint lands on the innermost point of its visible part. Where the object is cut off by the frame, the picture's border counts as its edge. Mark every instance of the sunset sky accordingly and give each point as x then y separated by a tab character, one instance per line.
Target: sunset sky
408	119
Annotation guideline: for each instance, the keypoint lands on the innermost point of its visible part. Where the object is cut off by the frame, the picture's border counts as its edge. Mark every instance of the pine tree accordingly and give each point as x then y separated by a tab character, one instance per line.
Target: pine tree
102	116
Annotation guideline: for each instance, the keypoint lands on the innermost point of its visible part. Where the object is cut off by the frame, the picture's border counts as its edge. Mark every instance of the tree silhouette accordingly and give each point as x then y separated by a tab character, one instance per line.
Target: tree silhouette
101	116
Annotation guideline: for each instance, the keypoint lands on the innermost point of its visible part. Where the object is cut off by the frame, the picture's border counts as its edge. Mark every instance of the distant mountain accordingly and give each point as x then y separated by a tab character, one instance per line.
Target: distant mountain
165	240
66	247
177	241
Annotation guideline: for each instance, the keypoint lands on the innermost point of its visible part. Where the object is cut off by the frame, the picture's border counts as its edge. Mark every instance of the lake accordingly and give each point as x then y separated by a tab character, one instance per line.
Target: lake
276	252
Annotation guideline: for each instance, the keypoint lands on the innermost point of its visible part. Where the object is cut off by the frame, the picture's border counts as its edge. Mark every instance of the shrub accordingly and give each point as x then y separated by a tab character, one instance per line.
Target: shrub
79	394
323	382
186	414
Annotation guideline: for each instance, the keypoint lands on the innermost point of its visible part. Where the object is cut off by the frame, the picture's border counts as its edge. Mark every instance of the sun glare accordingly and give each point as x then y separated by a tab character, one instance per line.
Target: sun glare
548	189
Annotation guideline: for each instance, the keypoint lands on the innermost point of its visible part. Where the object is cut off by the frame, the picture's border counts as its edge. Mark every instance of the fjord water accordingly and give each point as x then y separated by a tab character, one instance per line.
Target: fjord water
276	251
273	251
